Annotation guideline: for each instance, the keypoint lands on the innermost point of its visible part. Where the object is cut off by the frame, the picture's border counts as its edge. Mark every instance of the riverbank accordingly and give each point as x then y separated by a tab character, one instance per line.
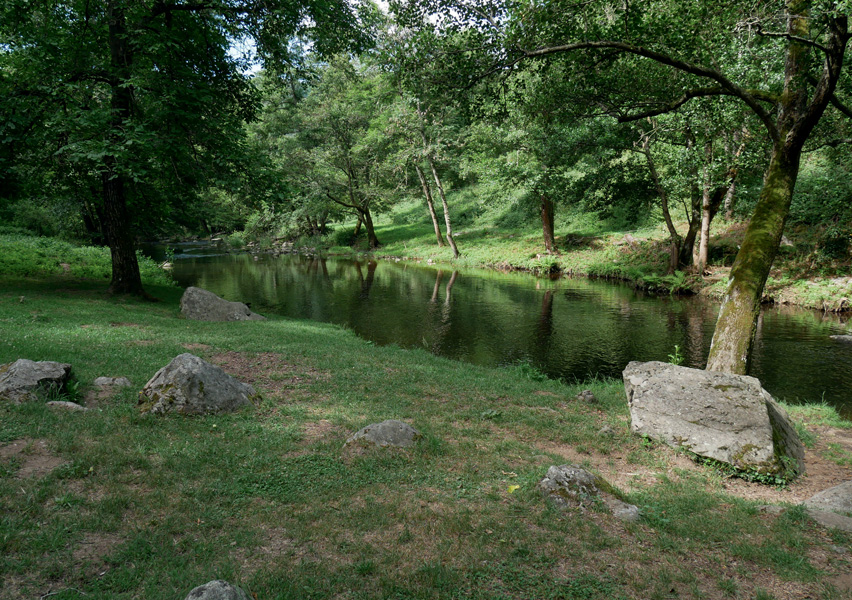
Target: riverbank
804	274
111	503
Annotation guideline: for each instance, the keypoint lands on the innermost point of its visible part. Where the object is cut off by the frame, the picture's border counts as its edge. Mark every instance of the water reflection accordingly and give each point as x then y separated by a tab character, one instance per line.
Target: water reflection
567	328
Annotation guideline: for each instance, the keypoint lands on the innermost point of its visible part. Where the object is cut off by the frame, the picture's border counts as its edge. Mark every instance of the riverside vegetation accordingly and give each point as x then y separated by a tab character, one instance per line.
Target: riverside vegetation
112	503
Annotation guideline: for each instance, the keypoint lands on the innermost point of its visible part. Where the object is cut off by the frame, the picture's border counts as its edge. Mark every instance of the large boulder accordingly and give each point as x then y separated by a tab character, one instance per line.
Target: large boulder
200	305
728	418
191	386
21	379
386	433
217	590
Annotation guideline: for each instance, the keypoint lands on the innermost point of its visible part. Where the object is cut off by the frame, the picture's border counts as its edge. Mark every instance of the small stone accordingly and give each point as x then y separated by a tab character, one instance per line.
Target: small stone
587	396
837	499
112	382
72	406
606	431
623	511
839	549
771	509
387	433
846	339
217	590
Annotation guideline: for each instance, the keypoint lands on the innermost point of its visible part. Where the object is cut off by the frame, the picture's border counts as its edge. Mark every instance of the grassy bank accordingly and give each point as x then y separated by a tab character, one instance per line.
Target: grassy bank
806	272
111	503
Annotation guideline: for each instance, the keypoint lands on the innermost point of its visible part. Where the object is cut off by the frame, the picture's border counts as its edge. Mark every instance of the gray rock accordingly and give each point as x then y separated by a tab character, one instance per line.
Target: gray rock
729	418
587	396
112	382
606	431
847	339
200	305
217	590
191	386
387	433
570	485
837	499
72	406
20	380
832	520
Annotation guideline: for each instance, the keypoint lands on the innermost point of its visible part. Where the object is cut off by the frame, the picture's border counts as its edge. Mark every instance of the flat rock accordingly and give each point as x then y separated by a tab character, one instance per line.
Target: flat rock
217	590
837	499
571	485
200	305
112	382
728	418
72	406
191	386
847	339
387	433
832	520
20	380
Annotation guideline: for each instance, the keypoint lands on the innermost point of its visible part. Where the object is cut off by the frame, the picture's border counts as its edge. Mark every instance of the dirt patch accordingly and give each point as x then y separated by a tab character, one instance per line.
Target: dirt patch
321	429
196	346
90	553
120	324
35	458
821	472
266	370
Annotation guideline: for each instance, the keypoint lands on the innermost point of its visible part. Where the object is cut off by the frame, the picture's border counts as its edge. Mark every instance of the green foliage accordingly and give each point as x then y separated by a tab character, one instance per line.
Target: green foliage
32	256
676	358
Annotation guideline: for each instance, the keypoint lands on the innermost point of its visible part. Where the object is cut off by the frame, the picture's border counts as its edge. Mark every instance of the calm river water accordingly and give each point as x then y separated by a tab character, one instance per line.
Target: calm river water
567	328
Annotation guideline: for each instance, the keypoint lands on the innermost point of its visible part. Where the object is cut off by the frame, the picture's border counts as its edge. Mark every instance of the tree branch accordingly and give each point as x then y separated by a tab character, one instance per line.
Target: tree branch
787	36
733	89
672	106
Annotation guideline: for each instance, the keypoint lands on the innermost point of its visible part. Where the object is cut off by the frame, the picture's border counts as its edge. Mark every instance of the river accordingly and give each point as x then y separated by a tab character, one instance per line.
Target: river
568	328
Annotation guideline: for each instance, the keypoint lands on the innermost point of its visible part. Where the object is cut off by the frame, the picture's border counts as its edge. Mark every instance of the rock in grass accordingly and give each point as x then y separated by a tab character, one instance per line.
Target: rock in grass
847	339
387	433
728	418
587	396
112	382
217	590
200	305
20	380
837	499
570	485
191	386
63	405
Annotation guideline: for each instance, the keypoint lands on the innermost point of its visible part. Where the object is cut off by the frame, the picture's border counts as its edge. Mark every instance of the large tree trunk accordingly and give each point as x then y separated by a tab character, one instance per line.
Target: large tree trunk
450	239
733	338
126	278
427	192
547	224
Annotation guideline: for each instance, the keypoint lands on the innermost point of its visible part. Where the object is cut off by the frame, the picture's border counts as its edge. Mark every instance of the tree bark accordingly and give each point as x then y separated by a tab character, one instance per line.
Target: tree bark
547	224
126	278
372	239
674	236
450	239
733	338
710	204
427	192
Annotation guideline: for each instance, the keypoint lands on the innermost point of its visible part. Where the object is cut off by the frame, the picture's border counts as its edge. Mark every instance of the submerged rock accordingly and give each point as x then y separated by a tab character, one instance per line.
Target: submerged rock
728	418
200	305
20	380
191	386
387	433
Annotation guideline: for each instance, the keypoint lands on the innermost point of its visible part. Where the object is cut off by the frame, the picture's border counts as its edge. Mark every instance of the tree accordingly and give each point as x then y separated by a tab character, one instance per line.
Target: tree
782	59
135	92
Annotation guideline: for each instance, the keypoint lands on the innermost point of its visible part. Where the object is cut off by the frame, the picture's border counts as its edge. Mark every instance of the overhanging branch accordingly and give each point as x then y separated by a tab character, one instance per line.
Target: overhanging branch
732	89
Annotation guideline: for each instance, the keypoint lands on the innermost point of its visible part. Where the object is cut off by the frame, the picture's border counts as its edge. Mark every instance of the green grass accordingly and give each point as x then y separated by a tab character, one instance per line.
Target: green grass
146	506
